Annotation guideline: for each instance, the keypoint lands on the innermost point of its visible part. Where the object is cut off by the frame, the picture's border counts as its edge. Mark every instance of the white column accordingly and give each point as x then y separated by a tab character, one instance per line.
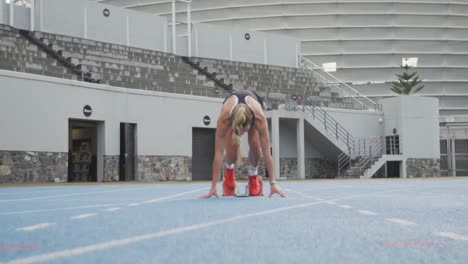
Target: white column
85	24
300	149
275	142
33	15
453	156
403	168
189	31
128	31
12	13
2	4
230	46
196	43
173	27
265	52
165	37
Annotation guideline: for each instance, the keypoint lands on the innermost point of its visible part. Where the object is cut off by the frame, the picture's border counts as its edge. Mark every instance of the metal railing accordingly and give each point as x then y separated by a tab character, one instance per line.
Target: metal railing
318	113
344	89
361	154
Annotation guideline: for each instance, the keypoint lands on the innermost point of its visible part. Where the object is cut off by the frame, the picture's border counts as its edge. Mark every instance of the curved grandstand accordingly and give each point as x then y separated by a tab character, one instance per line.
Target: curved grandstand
366	39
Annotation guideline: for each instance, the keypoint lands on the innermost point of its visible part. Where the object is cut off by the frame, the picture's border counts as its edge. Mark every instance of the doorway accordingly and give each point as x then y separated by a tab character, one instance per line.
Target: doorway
203	147
82	151
128	152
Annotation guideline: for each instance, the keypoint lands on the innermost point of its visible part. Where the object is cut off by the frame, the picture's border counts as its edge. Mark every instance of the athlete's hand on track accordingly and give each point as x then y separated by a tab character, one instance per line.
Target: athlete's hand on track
212	192
275	189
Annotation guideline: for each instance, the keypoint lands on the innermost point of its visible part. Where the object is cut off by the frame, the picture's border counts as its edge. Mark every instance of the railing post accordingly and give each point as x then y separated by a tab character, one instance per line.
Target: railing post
325	119
336	131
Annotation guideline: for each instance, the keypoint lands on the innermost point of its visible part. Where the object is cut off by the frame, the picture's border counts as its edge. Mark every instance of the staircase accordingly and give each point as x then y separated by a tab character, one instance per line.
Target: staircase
209	75
57	55
335	138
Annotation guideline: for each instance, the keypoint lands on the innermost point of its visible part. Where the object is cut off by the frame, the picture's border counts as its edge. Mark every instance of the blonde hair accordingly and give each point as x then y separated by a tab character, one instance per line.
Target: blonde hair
241	118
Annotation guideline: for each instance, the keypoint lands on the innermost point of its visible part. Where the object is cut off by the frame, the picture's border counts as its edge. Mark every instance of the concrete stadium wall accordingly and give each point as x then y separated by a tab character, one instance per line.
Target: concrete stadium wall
230	43
85	19
416	121
367	39
42	107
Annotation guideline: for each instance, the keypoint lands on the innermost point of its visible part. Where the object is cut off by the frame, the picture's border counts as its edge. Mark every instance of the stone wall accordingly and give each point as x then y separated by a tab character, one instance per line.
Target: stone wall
421	168
320	169
164	168
30	166
111	168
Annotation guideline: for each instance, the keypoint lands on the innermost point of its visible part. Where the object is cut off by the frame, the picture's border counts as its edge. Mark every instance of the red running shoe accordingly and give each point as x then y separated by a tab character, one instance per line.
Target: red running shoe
255	185
229	183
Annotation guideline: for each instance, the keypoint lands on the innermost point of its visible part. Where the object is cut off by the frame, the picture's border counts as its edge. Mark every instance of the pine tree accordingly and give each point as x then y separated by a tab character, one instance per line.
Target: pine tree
407	82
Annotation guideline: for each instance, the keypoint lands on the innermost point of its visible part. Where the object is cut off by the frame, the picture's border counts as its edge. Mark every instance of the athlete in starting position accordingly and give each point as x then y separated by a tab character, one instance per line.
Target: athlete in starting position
242	112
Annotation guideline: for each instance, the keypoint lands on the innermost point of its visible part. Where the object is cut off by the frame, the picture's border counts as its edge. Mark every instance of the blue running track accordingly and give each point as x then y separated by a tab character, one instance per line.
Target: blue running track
336	221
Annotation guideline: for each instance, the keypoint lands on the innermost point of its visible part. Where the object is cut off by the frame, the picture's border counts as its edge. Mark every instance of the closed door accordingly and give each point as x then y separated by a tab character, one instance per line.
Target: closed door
203	145
127	162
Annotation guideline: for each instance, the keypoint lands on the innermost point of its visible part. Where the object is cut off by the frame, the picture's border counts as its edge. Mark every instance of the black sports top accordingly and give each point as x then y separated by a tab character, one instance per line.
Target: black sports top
241	95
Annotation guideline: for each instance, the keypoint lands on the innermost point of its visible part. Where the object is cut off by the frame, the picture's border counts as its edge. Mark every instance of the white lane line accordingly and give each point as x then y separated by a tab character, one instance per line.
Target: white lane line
98	205
81	216
345	206
59	209
131	240
71	194
401	221
34	227
452	236
365	212
303	194
330	203
112	209
172	196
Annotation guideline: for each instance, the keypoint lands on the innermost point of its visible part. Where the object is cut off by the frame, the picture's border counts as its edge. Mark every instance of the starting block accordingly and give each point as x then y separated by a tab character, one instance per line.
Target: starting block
242	190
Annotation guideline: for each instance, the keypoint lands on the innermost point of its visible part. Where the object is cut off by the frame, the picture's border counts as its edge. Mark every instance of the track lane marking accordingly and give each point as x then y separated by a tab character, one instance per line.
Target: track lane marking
451	235
35	227
401	221
178	230
81	216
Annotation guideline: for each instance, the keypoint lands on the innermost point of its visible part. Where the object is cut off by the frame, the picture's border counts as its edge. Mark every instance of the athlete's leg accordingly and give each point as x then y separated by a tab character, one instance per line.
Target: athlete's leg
255	154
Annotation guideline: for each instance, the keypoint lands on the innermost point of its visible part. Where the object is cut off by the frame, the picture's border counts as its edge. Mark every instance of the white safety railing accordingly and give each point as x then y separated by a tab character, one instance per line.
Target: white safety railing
344	89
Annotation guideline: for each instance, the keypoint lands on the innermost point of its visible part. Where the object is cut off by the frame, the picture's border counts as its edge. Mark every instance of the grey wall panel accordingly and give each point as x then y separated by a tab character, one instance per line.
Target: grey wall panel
458	21
416	8
212	43
55	20
316	9
364	20
111	29
358	124
313	33
22	17
364	8
2	10
247	50
365	46
456	34
420	20
143	36
321	47
419	33
365	32
458	9
281	50
457	47
288	138
421	46
42	125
